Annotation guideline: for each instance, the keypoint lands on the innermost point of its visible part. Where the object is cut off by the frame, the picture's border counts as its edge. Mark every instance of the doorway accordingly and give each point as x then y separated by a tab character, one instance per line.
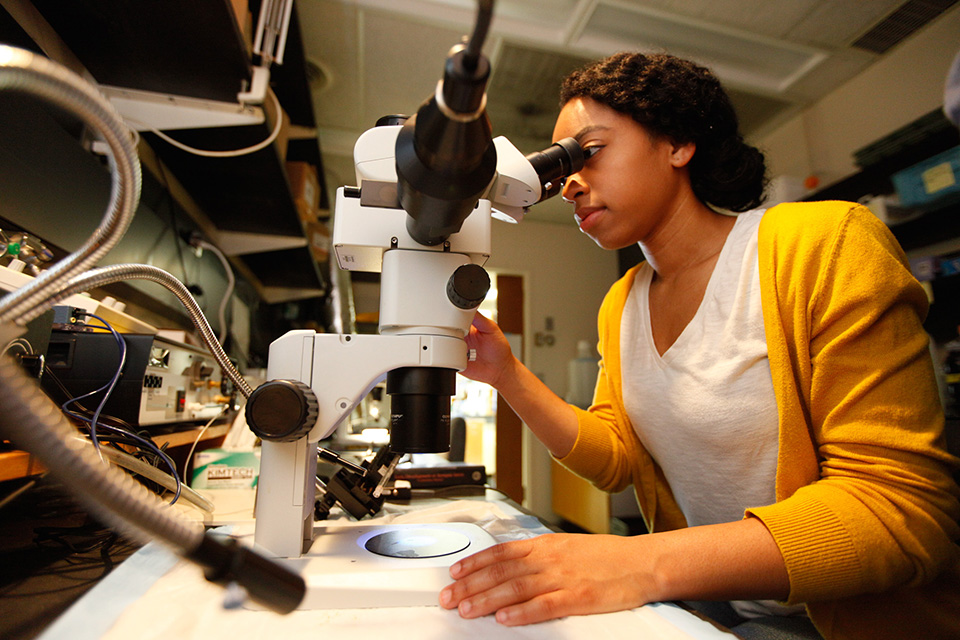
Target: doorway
493	430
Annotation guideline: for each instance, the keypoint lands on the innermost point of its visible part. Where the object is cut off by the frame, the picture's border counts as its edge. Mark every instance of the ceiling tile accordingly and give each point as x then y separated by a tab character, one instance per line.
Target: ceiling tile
735	56
331	42
762	17
836	23
403	61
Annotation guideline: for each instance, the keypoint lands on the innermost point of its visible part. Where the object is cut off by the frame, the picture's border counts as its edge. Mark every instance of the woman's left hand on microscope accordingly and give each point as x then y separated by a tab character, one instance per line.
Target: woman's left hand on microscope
491	350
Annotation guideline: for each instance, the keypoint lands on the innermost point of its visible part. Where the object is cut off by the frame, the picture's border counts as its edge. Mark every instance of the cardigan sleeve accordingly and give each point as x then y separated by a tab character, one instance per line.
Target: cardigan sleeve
604	452
883	510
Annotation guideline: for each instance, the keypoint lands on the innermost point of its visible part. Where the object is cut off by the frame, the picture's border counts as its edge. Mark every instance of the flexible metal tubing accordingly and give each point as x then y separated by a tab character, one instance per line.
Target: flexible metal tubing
27	416
119	272
34	422
25	72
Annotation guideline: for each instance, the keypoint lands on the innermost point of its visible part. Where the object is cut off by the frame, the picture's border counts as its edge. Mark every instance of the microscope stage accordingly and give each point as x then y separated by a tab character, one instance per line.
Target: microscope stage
396	565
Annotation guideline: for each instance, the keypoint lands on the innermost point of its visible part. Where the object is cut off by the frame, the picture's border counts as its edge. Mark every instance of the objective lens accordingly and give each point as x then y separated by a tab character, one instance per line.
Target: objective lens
420	408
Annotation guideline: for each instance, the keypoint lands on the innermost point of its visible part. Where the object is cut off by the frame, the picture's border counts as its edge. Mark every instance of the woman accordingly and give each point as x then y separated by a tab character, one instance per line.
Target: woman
765	385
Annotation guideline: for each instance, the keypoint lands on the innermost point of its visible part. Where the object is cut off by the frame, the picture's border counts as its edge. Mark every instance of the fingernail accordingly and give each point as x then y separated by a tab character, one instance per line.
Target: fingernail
465	607
445	597
455	568
502	616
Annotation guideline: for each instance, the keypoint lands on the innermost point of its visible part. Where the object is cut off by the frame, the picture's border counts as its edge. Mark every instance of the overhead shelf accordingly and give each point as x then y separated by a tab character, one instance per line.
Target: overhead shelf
182	47
201	49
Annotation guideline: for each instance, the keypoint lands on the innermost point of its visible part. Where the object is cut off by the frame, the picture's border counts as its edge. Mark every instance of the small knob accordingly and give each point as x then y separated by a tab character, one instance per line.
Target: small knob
282	410
468	286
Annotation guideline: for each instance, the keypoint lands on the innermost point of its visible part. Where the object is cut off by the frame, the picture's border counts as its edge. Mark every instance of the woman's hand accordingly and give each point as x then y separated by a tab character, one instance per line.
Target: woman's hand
493	354
558	575
548	577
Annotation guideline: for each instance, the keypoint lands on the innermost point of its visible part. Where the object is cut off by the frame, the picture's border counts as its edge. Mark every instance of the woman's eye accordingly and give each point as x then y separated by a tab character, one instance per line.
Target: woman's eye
589	152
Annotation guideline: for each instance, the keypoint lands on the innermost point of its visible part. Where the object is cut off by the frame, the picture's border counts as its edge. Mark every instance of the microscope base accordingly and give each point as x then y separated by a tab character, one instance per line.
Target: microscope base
341	573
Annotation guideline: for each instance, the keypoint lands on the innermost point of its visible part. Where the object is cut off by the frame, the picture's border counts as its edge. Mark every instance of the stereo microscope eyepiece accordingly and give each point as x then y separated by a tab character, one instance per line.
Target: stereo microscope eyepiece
555	163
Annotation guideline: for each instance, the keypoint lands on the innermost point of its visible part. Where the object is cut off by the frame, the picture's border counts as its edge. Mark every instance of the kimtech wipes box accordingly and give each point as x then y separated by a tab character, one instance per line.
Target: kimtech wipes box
223	469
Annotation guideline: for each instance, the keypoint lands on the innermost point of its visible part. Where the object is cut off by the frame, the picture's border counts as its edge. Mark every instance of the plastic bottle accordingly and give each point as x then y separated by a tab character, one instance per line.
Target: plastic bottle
582	376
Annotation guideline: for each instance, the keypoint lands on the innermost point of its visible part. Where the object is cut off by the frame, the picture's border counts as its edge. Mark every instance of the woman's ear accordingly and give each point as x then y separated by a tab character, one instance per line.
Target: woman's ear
682	153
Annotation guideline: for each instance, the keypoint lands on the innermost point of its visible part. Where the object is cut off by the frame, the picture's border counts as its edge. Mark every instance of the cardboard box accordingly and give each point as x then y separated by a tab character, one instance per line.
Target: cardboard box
318	239
305	189
223	469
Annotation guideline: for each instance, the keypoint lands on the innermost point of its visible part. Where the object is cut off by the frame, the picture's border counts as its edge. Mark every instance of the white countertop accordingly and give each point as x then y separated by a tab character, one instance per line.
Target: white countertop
156	595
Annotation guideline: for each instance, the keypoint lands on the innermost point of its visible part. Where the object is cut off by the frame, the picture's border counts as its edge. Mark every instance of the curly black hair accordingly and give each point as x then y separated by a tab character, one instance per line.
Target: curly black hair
683	102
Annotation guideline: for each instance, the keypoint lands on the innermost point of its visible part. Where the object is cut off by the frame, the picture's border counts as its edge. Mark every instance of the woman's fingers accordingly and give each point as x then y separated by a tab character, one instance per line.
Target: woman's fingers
482	573
498	553
540	579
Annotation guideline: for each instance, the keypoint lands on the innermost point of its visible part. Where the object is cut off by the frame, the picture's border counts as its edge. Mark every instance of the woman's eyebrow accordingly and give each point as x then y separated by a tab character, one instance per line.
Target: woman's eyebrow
588	130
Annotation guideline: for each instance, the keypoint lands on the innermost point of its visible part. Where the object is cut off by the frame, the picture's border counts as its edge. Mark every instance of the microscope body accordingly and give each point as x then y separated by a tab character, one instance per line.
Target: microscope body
424	315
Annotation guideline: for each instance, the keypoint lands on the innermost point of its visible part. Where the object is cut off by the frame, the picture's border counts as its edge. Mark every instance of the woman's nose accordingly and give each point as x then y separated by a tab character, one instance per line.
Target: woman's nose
573	186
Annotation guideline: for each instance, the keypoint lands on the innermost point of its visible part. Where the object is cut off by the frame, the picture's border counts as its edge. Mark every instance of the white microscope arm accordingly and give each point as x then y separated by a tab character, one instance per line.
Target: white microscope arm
340	369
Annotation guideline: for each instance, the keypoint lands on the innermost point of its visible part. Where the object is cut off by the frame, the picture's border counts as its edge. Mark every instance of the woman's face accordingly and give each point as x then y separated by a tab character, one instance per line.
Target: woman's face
631	184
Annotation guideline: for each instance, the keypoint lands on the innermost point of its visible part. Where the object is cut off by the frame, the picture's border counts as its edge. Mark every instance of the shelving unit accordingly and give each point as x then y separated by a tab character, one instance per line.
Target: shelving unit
201	50
936	232
244	205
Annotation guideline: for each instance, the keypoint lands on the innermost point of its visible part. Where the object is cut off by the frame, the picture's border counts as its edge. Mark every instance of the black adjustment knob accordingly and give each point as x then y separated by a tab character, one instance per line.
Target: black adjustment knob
468	286
282	410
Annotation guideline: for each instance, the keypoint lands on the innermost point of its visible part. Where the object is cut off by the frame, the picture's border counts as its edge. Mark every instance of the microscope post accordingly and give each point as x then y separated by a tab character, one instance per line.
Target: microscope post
340	370
285	496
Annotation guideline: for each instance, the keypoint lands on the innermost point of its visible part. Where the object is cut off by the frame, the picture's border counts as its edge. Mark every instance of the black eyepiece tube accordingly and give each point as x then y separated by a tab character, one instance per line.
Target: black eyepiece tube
555	163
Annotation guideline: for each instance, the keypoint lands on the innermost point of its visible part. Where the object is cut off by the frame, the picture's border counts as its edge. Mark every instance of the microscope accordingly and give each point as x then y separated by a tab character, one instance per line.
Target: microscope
428	186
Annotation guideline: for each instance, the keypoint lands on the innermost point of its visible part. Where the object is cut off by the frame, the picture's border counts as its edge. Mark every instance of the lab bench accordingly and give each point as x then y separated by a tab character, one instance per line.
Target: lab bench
154	594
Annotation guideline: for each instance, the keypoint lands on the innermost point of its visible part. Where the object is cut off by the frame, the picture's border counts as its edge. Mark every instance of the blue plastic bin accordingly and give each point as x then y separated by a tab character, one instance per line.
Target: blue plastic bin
928	182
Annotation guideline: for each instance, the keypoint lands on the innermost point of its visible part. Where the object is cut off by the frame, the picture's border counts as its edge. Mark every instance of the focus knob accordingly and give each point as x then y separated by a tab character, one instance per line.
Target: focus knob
468	286
282	410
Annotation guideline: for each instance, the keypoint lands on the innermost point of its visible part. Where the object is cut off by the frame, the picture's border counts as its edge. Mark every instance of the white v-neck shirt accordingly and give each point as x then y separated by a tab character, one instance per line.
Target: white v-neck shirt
706	410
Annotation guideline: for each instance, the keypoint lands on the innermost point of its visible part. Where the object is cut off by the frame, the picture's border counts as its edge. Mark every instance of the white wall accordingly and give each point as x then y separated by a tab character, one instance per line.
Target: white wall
565	277
903	85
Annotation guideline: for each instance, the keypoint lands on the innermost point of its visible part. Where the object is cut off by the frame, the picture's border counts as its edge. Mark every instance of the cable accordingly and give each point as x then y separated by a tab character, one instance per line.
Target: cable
220	154
16	493
231	282
109	387
126	433
475	44
150	472
23	343
193	447
144	443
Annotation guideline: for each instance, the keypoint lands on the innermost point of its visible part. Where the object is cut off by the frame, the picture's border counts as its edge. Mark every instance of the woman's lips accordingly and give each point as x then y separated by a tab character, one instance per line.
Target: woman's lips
587	217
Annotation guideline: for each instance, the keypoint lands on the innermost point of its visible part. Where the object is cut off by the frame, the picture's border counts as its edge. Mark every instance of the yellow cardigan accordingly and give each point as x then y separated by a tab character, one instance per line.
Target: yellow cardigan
866	512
